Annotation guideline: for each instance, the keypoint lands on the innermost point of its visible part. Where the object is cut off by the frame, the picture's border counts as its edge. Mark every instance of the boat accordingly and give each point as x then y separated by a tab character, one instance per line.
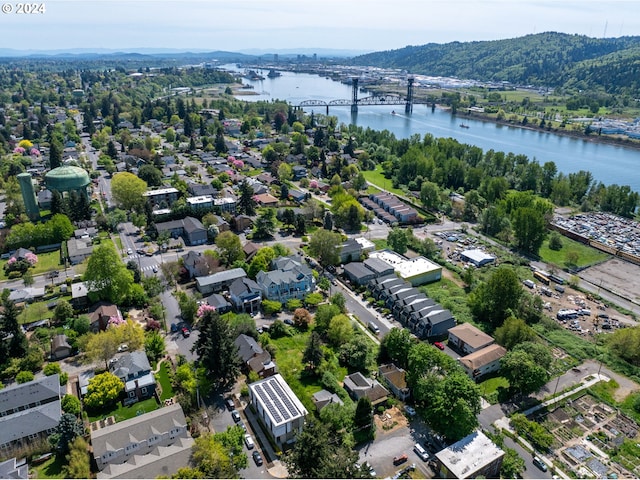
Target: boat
464	126
273	73
393	112
253	75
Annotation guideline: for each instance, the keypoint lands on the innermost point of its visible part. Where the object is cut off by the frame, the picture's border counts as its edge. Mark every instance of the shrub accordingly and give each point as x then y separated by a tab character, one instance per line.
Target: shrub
24	377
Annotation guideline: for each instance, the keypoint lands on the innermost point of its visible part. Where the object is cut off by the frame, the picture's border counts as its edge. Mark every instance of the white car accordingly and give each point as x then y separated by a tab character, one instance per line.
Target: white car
129	251
410	410
248	441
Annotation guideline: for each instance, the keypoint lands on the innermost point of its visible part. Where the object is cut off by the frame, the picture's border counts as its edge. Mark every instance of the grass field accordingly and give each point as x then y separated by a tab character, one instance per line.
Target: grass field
124	413
164	379
586	255
289	359
34	312
378	179
46	262
52	468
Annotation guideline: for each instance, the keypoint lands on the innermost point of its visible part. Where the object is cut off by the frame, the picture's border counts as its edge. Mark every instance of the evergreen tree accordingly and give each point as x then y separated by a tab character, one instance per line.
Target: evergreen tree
111	150
219	143
300	224
246	203
58	204
55	154
363	418
216	349
188	125
11	328
313	354
284	192
328	221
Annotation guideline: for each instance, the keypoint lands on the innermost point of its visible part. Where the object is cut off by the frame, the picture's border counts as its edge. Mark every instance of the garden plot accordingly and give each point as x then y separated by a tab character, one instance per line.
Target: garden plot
590	435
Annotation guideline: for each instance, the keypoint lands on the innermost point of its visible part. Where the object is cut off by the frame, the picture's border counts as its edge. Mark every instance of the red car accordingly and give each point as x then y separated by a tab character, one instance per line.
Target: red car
439	345
185	332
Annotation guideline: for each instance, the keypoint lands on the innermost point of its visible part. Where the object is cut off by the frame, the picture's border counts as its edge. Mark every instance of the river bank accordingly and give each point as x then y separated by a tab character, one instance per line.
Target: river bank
614	140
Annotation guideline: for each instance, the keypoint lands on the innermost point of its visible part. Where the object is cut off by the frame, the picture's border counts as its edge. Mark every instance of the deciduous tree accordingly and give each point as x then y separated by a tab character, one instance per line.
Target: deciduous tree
230	247
78	463
103	390
325	245
127	190
106	276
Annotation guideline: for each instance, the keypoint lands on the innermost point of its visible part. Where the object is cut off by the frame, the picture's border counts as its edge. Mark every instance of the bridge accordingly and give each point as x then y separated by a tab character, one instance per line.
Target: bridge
354	102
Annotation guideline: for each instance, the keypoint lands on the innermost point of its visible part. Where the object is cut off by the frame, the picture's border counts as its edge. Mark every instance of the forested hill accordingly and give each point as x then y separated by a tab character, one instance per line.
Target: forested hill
545	59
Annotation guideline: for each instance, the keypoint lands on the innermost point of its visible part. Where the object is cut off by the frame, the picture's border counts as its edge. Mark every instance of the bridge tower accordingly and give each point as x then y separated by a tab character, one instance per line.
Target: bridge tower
354	95
408	108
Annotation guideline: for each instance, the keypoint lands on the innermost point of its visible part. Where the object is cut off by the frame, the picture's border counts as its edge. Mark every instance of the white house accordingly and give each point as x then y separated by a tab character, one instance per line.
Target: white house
278	407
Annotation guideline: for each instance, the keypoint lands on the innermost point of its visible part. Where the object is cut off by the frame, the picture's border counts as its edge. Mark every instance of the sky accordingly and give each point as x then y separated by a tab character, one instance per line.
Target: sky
270	25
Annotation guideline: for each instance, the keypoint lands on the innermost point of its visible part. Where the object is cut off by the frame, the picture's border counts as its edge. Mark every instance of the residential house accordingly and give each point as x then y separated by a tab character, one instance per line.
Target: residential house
44	199
358	274
201	202
195	263
258	187
190	228
88	232
220	303
299	172
350	251
79	249
79	296
14	469
134	369
150	445
280	411
483	361
100	314
218	281
396	379
290	279
267	179
266	200
358	386
250	249
246	295
297	196
225	205
28	294
323	398
201	189
254	357
473	456
466	338
29	412
242	222
60	347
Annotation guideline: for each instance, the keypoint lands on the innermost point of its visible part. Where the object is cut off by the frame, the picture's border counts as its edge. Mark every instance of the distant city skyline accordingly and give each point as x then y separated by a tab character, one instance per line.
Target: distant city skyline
362	25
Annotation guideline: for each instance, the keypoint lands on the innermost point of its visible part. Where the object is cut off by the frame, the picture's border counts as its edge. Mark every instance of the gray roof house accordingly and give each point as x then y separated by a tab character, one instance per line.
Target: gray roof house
358	386
191	229
396	380
323	398
195	263
358	273
78	249
246	295
379	267
134	369
147	446
60	347
254	357
291	279
14	469
29	411
220	303
218	281
350	251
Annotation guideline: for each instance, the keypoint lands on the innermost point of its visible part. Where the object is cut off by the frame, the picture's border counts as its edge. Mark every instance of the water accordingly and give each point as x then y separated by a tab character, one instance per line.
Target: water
608	163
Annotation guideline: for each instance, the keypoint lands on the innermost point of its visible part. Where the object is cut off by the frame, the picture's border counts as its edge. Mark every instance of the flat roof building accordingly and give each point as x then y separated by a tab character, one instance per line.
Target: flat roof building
278	407
416	271
473	456
477	257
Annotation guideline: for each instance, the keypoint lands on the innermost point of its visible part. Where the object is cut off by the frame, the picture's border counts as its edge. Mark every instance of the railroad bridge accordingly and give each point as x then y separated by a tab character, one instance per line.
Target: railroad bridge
354	102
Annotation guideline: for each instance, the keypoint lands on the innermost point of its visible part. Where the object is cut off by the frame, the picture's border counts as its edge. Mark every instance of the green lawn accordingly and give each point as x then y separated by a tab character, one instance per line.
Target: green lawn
289	360
52	468
378	179
164	379
124	413
46	262
34	312
586	255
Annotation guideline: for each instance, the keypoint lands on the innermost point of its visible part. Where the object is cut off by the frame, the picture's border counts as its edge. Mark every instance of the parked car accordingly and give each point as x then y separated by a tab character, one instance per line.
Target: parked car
174	327
397	460
439	345
185	332
155	269
540	464
235	415
248	441
230	403
123	348
257	457
410	410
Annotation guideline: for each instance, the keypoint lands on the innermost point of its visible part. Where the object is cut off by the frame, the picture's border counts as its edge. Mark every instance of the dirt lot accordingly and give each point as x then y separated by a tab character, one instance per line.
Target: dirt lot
391	420
621	277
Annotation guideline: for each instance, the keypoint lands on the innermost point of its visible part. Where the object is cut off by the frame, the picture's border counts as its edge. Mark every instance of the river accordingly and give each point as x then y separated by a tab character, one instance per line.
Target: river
610	164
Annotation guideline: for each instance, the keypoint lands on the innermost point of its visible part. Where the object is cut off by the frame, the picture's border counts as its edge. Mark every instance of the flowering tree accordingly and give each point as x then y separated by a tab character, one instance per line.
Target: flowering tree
238	164
19	150
34	152
313	184
32	258
115	321
25	144
203	309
